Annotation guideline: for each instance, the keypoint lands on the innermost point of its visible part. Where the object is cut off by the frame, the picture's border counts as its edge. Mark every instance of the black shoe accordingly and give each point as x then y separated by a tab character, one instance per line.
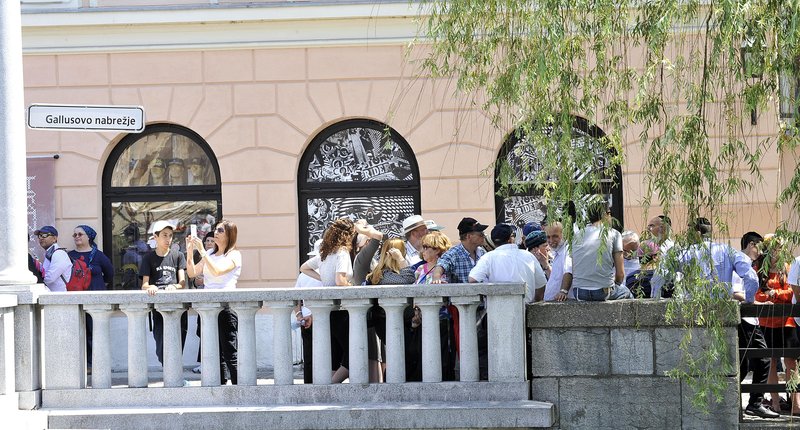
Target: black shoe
761	411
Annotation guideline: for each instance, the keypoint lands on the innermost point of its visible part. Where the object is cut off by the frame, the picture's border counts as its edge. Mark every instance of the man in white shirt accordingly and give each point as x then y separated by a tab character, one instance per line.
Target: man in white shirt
561	267
659	228
57	264
508	263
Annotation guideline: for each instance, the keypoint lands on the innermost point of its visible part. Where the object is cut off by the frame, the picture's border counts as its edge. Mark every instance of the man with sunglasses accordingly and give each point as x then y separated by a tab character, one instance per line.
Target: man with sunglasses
57	265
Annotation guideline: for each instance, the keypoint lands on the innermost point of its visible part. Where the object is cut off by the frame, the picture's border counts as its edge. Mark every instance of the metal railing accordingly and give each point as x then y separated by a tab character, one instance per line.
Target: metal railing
767	311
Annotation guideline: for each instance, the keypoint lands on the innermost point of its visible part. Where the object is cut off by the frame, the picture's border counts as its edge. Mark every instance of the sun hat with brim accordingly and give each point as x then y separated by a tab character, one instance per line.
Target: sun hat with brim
412	222
48	229
161	225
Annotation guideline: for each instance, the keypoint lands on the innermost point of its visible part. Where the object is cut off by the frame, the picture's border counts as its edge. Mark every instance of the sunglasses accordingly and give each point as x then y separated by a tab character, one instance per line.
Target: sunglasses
43	235
78	234
220	229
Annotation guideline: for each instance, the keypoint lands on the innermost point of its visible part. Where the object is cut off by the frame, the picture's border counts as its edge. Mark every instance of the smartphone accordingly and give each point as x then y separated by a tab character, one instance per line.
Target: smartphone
193	230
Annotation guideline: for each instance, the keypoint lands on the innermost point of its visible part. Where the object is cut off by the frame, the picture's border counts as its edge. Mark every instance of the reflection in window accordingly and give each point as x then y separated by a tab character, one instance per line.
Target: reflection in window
161	159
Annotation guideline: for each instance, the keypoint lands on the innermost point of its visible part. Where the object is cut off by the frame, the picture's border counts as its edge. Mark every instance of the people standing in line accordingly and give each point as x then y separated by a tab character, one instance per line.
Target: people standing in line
221	268
334	267
99	266
164	269
57	266
597	264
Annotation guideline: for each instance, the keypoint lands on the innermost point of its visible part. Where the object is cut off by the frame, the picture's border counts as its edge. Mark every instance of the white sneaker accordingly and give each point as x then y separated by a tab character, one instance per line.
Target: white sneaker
196	369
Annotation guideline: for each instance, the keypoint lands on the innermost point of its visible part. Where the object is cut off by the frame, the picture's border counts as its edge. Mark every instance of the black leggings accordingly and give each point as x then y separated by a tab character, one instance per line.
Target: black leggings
228	345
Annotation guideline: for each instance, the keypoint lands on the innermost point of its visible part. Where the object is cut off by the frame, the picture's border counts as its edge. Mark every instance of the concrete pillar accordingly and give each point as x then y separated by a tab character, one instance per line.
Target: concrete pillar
7	384
431	341
64	352
13	190
506	337
468	337
282	342
101	344
137	343
359	360
173	351
395	339
27	360
209	338
246	338
321	340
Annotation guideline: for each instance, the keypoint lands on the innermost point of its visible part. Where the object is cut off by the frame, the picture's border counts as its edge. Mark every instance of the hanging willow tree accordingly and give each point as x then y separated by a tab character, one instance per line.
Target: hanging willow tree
684	76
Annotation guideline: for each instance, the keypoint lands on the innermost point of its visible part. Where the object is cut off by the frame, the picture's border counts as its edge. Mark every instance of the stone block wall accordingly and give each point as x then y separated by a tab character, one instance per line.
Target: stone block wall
603	365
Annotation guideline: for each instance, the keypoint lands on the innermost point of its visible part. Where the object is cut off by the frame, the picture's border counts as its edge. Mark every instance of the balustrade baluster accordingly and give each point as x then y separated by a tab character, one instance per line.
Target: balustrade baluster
282	342
506	337
101	344
209	338
137	343
431	342
468	337
246	341
395	339
359	359
321	340
173	351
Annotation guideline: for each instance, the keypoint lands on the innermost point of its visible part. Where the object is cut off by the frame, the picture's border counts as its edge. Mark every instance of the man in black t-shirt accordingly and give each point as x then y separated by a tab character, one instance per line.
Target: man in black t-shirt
163	269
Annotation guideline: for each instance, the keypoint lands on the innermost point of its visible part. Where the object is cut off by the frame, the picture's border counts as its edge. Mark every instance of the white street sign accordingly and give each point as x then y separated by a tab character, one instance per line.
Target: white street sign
86	118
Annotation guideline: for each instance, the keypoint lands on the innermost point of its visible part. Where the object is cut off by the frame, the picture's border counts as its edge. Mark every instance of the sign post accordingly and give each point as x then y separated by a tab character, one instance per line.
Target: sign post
128	119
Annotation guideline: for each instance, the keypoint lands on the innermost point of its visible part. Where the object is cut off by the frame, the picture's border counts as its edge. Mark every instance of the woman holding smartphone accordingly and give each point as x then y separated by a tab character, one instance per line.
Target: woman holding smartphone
220	268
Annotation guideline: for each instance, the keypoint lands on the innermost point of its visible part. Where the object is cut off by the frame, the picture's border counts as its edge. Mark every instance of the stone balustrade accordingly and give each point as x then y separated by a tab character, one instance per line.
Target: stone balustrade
63	346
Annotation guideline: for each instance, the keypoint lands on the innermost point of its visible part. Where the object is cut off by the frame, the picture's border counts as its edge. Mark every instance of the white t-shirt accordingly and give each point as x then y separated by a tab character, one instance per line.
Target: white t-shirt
794	279
227	280
508	263
338	262
586	272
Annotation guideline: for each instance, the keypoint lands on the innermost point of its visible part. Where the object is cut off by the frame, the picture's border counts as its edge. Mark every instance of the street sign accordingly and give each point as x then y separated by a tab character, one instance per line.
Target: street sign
86	118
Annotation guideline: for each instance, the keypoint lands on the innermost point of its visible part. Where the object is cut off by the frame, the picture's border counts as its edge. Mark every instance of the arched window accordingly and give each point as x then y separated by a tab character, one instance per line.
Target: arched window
357	168
521	208
166	172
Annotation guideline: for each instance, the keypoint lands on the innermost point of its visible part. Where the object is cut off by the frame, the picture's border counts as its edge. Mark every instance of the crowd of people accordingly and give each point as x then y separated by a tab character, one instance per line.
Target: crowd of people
599	263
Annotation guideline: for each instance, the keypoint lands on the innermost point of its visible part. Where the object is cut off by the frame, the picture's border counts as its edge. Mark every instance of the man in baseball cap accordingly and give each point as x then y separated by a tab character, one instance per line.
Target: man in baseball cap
57	264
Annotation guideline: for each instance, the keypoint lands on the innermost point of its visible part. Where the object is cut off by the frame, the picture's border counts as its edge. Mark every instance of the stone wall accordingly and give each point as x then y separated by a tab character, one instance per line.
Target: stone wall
604	367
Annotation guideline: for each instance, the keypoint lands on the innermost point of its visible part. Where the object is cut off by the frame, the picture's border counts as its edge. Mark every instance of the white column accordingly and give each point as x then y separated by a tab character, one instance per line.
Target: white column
101	344
506	337
173	352
209	338
321	340
431	342
246	341
13	190
137	343
282	342
395	339
7	384
468	337
64	352
27	349
359	360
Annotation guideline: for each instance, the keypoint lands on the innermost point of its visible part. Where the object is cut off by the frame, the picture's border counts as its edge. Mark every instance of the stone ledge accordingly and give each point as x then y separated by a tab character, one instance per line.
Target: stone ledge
384	415
270	395
639	313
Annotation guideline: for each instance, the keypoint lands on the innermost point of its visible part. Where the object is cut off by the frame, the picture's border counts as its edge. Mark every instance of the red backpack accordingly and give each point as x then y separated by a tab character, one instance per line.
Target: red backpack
81	273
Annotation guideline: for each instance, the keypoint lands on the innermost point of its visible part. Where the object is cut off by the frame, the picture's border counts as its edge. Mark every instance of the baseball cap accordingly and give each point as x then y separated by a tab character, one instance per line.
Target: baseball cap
501	233
432	226
469	225
529	227
161	225
49	229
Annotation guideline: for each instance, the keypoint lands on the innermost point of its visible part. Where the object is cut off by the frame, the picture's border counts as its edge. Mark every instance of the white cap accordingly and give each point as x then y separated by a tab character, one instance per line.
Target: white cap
315	251
161	225
432	226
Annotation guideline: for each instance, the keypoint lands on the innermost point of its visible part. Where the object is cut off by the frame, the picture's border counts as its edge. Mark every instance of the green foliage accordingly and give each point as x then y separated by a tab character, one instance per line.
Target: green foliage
668	75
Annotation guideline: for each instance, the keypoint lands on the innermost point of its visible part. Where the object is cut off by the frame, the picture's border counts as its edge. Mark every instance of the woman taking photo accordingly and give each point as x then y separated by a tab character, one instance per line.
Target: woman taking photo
220	269
334	267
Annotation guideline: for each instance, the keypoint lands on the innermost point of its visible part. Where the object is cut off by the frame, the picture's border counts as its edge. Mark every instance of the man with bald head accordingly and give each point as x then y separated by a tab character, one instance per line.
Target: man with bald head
659	228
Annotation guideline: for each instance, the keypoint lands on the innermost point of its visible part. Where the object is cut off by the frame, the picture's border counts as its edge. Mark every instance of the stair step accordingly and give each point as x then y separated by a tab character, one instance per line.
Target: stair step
387	415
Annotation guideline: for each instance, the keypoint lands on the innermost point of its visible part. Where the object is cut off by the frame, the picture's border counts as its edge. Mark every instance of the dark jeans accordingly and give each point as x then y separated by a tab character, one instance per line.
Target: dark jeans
158	333
340	344
88	339
750	336
307	335
228	326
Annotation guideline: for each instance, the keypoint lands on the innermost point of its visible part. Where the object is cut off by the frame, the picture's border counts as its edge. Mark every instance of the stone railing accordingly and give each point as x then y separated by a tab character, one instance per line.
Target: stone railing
7	378
64	379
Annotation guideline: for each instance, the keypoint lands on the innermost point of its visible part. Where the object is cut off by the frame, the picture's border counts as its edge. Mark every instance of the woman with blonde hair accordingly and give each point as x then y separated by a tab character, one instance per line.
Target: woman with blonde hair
392	268
434	244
